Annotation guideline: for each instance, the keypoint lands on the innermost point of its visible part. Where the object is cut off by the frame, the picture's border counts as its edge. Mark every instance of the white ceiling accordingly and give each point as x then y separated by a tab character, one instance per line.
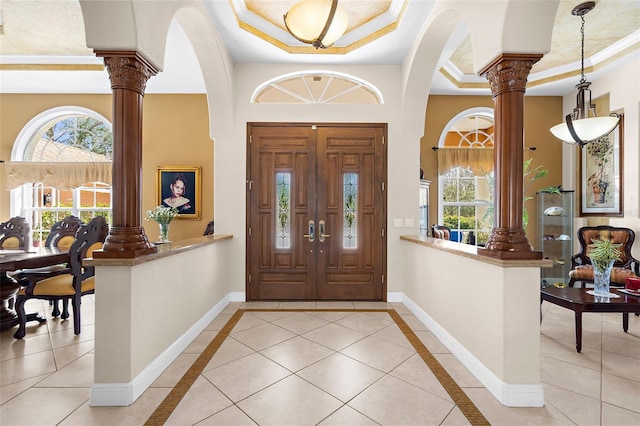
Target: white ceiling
31	56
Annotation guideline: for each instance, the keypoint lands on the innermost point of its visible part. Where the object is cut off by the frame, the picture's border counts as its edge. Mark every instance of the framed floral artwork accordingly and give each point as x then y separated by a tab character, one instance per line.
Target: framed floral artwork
179	187
601	175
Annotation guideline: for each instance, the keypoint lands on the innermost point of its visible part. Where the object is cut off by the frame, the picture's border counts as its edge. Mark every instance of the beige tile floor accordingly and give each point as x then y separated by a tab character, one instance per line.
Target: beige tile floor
326	368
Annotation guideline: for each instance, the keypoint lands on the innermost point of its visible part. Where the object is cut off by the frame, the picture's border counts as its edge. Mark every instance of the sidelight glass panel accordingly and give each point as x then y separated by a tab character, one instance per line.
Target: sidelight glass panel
350	208
283	210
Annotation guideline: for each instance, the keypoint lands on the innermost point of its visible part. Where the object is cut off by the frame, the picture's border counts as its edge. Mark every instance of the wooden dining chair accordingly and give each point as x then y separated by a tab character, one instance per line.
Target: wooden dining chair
73	285
63	232
14	234
61	236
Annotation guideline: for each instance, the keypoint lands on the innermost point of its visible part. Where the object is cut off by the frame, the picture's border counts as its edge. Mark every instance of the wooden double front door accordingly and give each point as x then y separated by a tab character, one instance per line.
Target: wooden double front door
316	212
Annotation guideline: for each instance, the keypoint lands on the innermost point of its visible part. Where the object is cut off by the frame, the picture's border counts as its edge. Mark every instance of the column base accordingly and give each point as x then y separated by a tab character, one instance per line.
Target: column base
509	243
125	243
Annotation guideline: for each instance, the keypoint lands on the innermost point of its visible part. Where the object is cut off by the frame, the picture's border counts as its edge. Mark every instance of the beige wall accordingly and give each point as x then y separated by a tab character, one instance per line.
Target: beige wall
175	132
541	112
485	311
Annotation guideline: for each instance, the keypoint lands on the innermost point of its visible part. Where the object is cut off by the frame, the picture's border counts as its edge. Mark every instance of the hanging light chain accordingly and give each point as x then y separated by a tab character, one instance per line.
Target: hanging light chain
582	78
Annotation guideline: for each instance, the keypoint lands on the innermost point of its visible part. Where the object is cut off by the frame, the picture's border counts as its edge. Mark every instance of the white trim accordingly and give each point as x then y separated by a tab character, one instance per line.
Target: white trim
325	73
89	59
510	395
29	130
237	296
481	111
393	297
123	394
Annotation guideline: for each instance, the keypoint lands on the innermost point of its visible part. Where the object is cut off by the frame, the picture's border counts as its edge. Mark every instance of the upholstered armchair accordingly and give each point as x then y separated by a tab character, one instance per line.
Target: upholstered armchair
627	266
73	285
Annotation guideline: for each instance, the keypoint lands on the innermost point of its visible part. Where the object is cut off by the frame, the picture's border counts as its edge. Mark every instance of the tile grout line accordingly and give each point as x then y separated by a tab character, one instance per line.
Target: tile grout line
171	401
462	401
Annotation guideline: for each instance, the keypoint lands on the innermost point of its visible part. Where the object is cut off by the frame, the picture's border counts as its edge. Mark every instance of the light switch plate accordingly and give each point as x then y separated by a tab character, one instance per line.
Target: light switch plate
408	223
397	223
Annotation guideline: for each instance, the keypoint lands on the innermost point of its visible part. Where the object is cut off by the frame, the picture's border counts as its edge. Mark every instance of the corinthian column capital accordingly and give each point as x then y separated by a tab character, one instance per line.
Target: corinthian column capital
509	72
127	69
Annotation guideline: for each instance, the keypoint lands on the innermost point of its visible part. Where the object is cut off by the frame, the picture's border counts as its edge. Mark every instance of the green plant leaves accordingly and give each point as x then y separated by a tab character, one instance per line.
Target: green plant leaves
604	249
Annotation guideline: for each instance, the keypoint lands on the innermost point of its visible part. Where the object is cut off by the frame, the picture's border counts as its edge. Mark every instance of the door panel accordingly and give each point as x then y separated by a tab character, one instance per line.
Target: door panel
279	262
350	262
330	176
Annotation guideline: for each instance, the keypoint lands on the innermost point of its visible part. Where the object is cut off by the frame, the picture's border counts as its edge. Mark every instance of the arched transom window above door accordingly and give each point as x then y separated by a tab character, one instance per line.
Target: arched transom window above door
317	87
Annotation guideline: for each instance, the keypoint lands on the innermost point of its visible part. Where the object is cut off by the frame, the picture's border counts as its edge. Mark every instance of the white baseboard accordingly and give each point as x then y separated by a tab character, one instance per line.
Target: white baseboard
393	297
237	296
123	394
511	395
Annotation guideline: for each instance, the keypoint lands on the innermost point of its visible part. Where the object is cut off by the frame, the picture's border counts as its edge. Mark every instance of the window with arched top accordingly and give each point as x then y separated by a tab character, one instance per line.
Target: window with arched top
465	176
61	165
317	87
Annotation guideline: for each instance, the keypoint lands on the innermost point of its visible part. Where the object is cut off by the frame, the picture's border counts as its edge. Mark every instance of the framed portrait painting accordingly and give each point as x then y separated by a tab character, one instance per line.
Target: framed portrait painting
601	175
179	187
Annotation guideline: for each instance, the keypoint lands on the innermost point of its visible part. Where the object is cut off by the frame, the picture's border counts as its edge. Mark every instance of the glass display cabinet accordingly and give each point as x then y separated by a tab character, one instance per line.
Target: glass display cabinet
555	235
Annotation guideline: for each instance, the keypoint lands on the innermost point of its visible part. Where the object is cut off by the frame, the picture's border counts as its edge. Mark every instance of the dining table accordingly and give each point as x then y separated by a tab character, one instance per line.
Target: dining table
15	260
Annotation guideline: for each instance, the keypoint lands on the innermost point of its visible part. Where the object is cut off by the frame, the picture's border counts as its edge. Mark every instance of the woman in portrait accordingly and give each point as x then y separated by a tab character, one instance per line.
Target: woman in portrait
178	187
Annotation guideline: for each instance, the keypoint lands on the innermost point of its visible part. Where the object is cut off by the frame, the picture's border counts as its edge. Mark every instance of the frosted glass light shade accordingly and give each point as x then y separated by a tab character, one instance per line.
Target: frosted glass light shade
587	129
306	20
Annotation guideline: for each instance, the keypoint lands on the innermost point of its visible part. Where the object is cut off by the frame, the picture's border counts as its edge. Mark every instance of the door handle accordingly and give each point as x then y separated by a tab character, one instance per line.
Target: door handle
312	233
321	234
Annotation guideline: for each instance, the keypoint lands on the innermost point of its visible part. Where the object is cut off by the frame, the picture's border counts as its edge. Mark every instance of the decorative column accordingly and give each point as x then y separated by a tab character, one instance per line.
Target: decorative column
507	76
128	72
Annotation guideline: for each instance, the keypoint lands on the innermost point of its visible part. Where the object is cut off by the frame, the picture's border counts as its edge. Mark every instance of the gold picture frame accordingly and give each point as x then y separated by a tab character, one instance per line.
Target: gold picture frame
602	175
180	187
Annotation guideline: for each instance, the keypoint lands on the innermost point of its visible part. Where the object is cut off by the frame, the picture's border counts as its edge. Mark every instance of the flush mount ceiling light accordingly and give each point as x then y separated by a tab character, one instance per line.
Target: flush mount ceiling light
580	127
316	22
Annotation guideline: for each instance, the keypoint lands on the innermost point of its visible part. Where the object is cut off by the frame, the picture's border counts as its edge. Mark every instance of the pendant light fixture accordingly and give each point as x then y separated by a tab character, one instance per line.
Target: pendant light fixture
580	127
316	22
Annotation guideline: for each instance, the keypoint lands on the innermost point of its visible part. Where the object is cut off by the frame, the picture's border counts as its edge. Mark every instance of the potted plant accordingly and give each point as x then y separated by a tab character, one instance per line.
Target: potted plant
529	176
603	254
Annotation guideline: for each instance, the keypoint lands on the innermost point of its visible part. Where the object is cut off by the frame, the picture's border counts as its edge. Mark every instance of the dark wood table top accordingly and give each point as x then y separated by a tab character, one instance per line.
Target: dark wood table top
12	260
579	296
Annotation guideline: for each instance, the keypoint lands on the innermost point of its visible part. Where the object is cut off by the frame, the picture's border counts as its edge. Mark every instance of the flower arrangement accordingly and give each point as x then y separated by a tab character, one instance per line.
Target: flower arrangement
162	215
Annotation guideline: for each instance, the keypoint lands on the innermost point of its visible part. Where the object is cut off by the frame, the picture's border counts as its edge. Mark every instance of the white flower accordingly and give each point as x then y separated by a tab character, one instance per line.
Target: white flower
162	215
